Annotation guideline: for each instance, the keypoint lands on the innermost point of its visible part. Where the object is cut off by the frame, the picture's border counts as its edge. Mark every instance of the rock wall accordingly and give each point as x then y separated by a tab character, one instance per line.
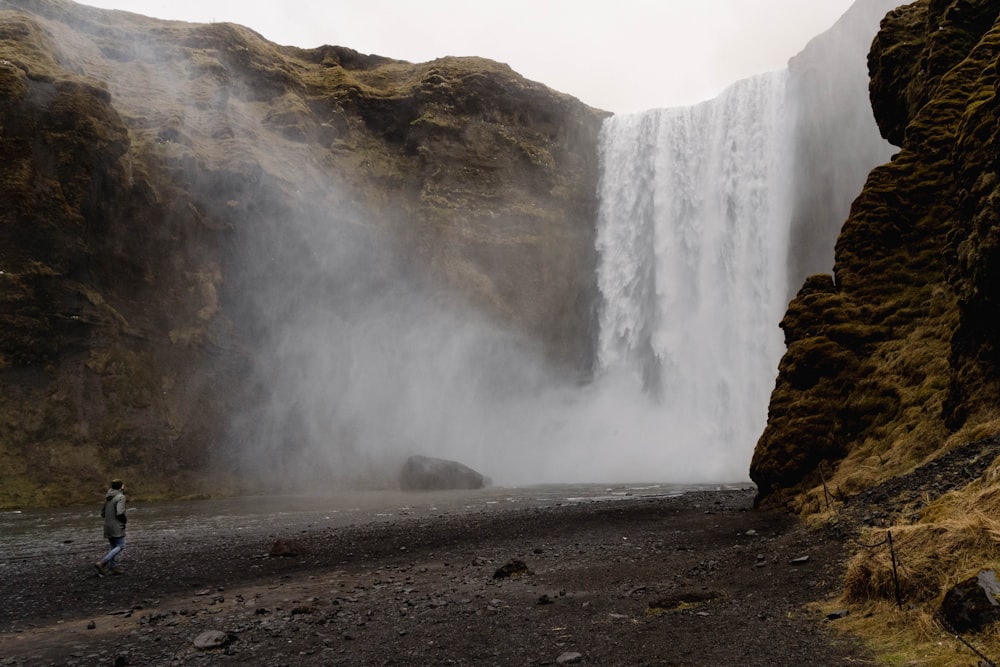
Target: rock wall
149	170
894	358
149	173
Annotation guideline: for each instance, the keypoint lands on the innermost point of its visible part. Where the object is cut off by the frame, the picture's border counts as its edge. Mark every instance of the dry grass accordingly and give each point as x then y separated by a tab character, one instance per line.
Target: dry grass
929	558
912	636
975	429
959	535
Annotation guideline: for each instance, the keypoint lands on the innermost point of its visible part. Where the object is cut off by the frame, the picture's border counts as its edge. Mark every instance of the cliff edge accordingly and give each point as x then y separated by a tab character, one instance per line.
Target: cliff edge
892	360
169	189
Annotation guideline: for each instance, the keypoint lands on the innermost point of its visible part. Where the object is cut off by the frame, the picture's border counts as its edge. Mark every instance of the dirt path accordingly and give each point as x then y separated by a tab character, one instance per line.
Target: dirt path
693	580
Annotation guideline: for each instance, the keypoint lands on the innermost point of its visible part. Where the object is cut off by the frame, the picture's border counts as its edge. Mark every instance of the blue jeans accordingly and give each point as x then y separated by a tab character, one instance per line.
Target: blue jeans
117	546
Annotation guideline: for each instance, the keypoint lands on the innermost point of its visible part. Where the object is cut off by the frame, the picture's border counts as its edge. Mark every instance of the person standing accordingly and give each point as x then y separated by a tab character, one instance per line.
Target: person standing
114	528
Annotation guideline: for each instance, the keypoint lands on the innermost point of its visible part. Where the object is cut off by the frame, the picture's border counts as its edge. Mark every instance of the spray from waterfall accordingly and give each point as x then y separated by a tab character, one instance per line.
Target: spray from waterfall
692	232
698	209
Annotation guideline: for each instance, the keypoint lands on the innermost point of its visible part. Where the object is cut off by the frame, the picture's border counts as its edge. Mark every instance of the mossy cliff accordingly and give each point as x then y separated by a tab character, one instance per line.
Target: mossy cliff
894	358
143	161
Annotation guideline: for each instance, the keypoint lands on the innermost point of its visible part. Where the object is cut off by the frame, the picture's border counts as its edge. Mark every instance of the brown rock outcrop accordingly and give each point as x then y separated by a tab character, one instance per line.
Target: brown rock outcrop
895	358
149	173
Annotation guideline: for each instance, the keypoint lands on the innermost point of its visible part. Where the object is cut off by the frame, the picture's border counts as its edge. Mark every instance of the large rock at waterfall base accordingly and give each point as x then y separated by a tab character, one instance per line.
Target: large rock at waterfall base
423	473
972	604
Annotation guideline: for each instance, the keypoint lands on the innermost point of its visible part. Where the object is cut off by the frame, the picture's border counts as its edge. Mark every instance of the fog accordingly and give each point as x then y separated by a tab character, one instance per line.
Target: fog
361	370
362	359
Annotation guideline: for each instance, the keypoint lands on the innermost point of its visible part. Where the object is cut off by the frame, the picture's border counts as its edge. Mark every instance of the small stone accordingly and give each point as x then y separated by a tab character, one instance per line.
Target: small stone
287	549
514	568
211	639
800	560
91	625
569	658
835	615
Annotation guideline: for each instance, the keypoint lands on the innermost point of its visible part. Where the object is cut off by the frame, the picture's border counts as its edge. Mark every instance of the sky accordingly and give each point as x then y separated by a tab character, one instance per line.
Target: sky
622	56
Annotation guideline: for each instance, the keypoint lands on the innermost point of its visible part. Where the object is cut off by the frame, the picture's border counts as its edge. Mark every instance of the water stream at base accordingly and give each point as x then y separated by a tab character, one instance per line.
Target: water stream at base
76	532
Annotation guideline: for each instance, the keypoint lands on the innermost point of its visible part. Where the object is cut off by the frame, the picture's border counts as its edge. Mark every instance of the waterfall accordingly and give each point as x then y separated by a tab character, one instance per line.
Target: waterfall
709	218
692	235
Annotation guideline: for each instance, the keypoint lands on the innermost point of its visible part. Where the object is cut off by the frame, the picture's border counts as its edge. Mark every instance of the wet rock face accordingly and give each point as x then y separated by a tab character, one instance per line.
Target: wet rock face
972	605
423	473
900	349
151	171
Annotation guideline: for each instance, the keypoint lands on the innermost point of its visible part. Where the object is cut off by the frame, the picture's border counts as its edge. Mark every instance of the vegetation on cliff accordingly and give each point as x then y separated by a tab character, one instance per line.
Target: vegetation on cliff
890	360
891	363
149	172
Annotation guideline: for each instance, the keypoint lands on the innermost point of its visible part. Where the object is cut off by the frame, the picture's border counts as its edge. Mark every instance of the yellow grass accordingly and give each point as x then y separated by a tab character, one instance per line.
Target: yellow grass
958	535
911	636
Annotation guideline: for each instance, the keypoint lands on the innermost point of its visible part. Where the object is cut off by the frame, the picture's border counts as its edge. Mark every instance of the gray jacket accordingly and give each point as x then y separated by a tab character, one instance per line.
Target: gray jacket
114	513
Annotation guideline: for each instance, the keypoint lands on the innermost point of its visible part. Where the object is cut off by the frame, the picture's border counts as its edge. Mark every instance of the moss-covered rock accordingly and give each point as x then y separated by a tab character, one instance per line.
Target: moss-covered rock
895	358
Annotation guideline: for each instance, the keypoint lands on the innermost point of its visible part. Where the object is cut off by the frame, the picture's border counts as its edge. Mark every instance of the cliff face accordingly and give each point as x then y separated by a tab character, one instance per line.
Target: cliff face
173	195
164	185
894	358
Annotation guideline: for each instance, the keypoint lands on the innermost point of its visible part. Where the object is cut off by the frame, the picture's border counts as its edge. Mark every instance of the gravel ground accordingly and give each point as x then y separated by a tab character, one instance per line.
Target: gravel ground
698	579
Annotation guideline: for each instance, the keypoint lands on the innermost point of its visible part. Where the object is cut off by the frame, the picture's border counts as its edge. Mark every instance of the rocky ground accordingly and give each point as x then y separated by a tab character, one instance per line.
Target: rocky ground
700	579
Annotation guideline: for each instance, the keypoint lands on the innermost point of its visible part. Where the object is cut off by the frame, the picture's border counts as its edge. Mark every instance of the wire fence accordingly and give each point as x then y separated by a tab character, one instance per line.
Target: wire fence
896	566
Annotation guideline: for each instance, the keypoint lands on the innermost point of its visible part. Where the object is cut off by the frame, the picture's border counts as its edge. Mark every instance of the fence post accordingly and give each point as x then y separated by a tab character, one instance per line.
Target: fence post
895	575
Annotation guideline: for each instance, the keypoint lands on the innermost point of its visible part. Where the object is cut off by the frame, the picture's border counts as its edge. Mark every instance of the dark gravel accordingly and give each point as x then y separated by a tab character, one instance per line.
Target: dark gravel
700	579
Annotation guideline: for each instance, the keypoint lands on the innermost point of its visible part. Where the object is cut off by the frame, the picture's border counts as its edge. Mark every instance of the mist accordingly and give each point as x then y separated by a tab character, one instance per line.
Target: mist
363	359
362	369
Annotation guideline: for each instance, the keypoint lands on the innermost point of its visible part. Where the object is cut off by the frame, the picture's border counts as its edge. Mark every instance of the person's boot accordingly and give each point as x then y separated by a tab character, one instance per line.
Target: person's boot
99	566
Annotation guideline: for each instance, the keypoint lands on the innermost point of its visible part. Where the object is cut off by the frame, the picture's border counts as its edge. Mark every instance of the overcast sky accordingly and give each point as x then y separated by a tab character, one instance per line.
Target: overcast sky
621	56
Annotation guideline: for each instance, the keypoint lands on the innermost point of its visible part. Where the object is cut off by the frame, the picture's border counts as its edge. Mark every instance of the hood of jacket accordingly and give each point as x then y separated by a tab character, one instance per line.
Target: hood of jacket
112	494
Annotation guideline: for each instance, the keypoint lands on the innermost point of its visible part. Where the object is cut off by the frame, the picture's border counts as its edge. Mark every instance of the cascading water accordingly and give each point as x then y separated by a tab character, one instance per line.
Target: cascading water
692	234
701	210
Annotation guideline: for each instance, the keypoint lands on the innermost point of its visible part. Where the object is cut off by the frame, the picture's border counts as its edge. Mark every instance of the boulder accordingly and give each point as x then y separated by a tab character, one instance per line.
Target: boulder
423	473
972	604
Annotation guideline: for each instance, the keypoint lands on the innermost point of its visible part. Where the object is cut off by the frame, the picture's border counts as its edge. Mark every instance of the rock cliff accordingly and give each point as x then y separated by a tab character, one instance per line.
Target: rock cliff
169	188
893	359
172	193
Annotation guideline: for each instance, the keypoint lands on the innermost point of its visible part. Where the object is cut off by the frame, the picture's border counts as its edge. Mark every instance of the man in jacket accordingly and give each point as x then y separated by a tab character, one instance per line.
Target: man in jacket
114	527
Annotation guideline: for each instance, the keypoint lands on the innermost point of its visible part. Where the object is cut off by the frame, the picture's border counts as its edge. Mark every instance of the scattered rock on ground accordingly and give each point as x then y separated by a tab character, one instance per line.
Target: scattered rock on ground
211	639
287	549
514	568
359	600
